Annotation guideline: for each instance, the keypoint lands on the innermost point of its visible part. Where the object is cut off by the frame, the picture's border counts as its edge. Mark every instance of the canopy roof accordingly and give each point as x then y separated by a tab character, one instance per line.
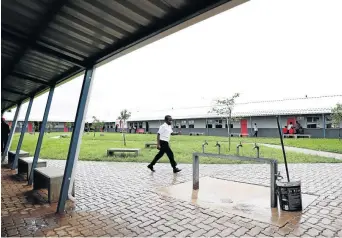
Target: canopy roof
45	42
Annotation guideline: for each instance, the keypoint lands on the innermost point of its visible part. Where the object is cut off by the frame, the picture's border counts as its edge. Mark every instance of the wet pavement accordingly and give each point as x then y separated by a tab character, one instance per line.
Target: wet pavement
123	199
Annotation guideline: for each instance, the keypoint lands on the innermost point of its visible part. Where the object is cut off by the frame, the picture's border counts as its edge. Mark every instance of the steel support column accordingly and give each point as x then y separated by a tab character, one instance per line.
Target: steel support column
10	137
41	135
76	137
23	130
324	126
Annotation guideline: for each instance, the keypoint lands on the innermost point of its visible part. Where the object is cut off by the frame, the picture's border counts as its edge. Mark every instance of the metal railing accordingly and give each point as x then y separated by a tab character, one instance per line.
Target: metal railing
273	165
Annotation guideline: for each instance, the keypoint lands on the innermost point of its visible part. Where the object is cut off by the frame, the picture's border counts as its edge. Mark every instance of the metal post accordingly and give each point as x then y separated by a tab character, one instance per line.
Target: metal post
274	172
75	142
41	135
238	148
10	137
23	130
195	169
324	126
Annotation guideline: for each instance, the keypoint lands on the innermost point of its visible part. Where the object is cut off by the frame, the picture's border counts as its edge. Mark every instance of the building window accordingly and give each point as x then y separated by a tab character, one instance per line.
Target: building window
183	124
312	122
209	123
140	125
231	125
218	124
191	124
329	125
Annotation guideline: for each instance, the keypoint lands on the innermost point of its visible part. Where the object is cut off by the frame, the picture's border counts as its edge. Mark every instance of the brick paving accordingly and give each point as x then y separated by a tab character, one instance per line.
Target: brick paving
120	199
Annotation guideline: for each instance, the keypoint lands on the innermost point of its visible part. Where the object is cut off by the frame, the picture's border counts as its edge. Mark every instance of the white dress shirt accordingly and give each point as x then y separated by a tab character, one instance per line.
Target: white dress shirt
165	131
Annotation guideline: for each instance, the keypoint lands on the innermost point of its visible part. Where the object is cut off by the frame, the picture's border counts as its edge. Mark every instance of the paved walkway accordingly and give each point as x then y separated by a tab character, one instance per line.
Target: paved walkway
307	151
120	199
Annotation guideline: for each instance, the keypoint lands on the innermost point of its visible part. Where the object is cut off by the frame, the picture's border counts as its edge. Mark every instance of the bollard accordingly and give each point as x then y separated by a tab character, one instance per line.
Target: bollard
274	177
257	150
205	143
219	147
195	172
238	148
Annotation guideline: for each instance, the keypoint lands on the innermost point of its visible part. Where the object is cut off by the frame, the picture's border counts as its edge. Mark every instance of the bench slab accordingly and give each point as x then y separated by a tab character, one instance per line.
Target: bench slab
50	178
129	150
25	165
11	156
196	133
148	144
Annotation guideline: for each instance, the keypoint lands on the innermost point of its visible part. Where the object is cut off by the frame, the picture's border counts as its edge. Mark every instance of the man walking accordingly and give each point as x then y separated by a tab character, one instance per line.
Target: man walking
163	146
255	130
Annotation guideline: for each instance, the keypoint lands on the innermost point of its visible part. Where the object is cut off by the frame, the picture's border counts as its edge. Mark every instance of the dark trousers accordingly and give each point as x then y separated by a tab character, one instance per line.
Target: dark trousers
4	140
165	148
256	133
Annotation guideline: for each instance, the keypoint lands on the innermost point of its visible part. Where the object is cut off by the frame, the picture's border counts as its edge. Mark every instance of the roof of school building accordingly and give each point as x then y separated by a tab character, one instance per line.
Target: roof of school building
302	106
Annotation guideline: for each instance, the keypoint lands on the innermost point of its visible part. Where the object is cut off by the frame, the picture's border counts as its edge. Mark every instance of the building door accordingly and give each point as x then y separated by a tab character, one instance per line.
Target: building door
244	129
65	127
29	127
291	119
147	126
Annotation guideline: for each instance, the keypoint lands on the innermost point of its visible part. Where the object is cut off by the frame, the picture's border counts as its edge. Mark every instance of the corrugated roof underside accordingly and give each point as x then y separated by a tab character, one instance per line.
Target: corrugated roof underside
47	41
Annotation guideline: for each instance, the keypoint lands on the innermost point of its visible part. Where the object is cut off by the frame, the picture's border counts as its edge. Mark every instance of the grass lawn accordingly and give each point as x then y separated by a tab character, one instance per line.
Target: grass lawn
95	148
330	145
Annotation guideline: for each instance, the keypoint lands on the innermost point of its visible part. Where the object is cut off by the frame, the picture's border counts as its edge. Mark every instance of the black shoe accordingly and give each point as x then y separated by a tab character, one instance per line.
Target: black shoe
151	168
176	170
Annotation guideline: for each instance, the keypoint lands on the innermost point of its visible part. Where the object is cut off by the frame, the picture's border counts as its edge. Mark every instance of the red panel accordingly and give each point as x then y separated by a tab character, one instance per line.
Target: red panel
291	119
29	127
65	127
244	129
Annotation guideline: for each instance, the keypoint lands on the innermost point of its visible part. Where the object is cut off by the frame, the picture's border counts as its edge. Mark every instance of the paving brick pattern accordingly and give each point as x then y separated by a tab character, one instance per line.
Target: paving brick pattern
120	199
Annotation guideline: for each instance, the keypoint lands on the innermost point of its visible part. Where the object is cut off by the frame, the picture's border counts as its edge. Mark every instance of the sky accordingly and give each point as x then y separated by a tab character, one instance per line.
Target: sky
262	49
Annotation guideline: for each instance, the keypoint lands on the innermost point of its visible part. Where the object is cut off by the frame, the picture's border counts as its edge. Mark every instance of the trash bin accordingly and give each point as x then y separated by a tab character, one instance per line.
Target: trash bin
290	195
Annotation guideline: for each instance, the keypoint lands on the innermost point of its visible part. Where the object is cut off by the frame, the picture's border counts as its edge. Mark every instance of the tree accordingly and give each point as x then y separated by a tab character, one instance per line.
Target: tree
97	124
51	125
336	117
124	116
34	128
69	125
224	108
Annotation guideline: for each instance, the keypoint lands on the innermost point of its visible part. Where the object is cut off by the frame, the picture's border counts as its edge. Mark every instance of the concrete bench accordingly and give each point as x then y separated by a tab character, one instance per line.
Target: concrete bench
11	156
239	134
25	165
296	136
49	178
149	144
112	151
196	133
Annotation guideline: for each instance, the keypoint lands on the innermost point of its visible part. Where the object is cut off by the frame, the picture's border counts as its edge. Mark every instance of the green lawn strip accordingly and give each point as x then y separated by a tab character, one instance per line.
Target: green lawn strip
95	148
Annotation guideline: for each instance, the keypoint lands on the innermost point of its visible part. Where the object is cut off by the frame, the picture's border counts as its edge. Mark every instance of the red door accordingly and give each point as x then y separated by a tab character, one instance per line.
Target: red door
291	119
29	127
244	130
65	127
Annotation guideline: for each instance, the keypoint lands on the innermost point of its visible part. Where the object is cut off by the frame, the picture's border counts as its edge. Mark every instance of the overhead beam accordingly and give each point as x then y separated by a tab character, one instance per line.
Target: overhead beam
49	15
8	35
6	100
14	91
29	78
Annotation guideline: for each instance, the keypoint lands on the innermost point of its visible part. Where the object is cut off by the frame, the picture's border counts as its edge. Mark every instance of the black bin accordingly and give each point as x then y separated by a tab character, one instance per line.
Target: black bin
290	196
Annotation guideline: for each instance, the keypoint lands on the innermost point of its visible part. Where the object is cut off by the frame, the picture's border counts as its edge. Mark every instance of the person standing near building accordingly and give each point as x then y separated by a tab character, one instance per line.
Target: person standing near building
255	130
163	138
5	130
